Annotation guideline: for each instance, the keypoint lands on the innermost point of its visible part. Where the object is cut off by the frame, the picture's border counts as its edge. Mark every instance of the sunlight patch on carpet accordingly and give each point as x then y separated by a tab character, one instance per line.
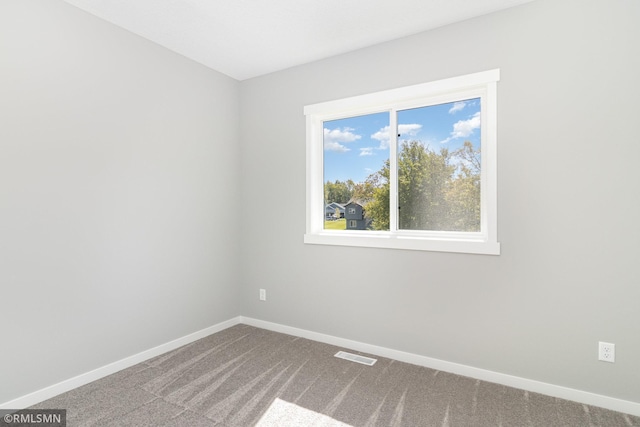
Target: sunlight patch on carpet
281	413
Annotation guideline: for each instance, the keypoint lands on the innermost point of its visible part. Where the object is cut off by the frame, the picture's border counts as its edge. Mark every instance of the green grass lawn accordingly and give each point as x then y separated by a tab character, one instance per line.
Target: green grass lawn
339	224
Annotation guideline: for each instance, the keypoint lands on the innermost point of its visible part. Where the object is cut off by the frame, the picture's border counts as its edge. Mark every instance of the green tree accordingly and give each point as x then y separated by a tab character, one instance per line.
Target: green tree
338	191
423	176
436	190
463	194
377	207
363	192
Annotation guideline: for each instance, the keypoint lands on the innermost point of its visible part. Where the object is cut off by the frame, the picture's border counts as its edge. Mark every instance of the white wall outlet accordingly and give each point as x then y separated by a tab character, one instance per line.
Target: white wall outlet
263	294
606	352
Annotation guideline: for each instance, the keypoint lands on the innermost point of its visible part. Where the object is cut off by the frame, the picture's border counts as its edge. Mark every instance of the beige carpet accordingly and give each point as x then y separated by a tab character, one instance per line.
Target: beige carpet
246	376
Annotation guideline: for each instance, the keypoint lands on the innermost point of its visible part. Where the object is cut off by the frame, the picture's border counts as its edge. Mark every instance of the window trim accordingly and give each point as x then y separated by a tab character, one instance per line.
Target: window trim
482	85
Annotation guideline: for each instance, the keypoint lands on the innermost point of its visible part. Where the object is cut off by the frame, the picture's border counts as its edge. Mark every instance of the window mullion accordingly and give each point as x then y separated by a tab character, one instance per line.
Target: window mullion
393	171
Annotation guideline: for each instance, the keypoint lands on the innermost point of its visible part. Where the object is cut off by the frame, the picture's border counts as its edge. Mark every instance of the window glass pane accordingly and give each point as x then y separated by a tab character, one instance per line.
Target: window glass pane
439	167
356	173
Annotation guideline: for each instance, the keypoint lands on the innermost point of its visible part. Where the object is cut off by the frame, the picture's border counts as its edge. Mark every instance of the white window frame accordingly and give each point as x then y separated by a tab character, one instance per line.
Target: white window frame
481	85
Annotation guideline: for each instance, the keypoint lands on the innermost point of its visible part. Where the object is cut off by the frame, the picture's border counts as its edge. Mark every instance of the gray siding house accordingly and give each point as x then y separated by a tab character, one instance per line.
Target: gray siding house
354	214
334	210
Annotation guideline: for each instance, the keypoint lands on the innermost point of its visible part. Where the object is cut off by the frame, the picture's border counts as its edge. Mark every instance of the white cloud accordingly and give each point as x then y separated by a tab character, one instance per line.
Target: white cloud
409	130
335	139
457	106
366	151
335	146
464	128
384	136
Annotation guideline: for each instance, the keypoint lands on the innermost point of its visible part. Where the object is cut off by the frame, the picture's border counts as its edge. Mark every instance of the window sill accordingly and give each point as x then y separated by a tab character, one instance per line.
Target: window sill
407	242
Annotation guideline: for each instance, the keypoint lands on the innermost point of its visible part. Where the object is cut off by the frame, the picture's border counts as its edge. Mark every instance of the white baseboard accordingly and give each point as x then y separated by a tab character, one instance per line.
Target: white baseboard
580	396
82	379
625	406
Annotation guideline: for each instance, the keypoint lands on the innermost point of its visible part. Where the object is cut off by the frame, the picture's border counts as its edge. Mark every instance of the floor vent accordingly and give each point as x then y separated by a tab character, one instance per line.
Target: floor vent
355	358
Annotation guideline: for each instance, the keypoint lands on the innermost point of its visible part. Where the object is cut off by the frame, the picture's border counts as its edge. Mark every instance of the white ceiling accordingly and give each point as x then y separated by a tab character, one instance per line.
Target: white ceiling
248	38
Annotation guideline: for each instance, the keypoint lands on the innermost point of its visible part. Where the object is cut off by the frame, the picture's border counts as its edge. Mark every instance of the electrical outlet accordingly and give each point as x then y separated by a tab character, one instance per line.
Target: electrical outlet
263	294
606	352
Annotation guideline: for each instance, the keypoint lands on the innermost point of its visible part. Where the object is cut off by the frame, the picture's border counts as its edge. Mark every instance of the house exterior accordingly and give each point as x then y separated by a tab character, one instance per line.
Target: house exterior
354	214
334	211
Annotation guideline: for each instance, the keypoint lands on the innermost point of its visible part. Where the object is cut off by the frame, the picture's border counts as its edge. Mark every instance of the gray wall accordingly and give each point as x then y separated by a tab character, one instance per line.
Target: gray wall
569	203
118	162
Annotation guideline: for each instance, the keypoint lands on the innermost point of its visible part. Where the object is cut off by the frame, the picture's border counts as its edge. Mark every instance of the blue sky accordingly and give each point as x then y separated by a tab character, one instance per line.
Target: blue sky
356	147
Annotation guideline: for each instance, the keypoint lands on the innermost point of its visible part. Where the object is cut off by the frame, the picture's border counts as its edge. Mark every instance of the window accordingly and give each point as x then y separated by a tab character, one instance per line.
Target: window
418	161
